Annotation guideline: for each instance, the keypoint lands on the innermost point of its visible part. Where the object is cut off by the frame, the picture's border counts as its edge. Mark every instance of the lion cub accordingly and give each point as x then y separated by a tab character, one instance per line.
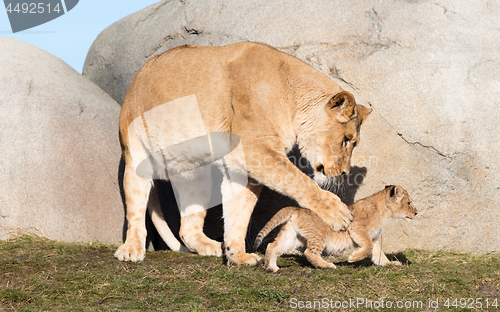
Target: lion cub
304	228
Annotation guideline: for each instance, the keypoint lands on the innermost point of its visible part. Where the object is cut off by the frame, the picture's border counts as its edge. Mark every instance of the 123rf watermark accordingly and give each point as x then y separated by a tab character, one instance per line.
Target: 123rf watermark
359	303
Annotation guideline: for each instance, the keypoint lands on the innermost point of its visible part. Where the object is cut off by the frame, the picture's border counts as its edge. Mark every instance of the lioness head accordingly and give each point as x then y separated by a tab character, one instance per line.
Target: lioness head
329	143
399	201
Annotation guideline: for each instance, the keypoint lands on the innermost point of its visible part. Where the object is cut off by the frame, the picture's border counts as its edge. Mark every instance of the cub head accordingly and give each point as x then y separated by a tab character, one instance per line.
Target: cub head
400	203
328	143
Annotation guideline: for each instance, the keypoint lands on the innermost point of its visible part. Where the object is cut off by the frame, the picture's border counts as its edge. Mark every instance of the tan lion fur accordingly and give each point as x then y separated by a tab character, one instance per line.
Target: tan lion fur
271	101
303	228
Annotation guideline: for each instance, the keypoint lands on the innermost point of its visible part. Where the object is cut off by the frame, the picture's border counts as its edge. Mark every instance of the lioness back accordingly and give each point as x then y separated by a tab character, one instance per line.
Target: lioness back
217	73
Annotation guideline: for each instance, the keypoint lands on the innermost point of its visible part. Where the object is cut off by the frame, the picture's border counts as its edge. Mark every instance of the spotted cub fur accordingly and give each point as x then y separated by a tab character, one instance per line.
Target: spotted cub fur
304	228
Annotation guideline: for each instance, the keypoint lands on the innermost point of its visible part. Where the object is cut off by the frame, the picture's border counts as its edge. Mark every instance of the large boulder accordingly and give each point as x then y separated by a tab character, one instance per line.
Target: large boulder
59	150
429	69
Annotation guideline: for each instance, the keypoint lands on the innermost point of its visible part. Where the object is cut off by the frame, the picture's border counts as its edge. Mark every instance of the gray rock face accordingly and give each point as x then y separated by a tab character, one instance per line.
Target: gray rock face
59	150
429	69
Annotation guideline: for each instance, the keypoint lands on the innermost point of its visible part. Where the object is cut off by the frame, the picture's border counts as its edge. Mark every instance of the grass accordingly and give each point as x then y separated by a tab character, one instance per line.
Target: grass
38	274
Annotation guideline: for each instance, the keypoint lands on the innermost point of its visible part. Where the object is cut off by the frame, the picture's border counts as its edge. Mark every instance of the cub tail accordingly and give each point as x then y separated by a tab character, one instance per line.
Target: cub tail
278	219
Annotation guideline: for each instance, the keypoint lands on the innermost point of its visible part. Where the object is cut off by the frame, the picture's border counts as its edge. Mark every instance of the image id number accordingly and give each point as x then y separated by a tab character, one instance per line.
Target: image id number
32	8
471	303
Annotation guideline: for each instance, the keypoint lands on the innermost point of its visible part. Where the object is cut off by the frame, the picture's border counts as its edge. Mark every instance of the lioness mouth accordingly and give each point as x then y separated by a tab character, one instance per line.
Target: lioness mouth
329	183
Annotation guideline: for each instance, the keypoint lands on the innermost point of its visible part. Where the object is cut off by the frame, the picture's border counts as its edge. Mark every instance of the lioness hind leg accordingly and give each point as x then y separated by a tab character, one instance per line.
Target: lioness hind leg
193	200
192	234
237	211
136	196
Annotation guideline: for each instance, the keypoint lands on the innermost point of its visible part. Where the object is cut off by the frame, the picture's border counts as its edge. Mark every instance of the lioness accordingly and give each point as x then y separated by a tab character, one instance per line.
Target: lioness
270	101
305	228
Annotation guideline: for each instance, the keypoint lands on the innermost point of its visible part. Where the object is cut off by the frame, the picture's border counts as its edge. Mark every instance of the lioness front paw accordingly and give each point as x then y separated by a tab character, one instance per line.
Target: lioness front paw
272	269
244	258
131	252
338	218
332	210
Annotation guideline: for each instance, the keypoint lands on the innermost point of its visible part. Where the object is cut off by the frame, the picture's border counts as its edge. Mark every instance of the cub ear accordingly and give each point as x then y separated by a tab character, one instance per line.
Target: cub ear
363	112
343	105
396	192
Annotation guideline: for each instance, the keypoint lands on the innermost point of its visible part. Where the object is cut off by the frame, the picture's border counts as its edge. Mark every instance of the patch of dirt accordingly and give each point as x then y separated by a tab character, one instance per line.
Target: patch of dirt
487	290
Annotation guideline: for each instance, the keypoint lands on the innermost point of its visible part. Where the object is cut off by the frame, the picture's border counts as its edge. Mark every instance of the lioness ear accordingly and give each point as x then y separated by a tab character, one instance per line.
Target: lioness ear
363	112
343	105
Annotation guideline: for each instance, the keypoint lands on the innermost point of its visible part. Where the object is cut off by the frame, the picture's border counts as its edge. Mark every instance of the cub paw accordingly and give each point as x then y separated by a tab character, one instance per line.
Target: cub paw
131	252
245	258
355	258
331	266
382	262
395	263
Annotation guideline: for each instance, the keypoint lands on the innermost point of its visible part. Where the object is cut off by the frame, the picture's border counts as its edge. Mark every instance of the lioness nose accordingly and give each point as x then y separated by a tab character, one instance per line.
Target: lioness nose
321	169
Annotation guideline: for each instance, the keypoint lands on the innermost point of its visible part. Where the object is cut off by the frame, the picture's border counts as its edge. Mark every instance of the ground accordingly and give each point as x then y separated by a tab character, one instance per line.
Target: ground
38	274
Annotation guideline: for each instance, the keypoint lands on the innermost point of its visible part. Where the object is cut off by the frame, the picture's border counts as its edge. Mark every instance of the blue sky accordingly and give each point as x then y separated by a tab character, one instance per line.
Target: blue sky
70	36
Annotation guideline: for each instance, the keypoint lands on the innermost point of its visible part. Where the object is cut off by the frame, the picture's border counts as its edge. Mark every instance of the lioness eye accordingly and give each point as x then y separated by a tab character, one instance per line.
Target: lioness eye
346	141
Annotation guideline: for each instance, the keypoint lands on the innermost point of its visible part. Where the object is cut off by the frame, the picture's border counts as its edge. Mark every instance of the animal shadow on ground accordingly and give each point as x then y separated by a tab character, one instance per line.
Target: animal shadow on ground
367	262
269	203
301	260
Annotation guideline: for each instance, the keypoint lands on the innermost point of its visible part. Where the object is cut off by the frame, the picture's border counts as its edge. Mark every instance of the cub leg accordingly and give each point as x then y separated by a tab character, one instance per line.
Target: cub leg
274	170
237	208
136	196
362	238
193	200
313	254
378	256
271	257
283	243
